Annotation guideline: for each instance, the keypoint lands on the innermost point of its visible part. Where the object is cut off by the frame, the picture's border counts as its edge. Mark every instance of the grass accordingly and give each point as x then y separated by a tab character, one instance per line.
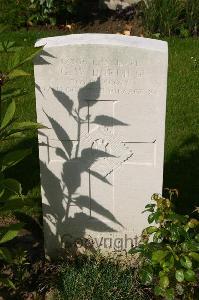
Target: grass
182	132
100	280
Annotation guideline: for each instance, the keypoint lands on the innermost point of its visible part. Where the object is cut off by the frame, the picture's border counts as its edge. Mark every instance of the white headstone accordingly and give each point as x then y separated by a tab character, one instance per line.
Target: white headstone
103	99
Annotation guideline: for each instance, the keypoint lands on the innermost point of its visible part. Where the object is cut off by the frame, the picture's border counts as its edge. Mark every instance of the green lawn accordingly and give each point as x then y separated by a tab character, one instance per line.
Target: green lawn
182	131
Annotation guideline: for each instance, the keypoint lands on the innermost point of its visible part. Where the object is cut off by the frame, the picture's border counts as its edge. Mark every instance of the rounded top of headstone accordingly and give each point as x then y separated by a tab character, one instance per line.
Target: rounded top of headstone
103	39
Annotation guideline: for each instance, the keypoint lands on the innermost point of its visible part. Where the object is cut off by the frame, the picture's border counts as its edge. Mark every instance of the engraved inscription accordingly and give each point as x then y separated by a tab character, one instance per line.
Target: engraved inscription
121	78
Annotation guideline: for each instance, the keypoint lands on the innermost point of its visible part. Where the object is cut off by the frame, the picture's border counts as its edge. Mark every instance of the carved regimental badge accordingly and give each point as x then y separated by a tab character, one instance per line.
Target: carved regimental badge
107	151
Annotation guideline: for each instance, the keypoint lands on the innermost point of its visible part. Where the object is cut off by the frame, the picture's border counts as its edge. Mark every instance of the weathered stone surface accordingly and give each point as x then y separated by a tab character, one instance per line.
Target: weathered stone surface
103	99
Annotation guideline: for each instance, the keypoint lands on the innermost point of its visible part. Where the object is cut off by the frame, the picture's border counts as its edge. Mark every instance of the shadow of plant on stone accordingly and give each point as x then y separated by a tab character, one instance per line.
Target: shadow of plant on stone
62	194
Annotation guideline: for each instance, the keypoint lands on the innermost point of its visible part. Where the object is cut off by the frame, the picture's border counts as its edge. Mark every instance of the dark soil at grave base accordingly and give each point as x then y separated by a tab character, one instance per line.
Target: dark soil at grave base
111	25
109	22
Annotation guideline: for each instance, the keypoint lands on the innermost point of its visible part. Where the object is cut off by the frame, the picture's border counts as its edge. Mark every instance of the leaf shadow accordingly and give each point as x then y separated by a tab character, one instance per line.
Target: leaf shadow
108	121
40	59
62	194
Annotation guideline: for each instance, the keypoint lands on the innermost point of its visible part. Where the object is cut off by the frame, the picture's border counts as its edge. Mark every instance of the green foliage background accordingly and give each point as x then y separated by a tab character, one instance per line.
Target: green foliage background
171	17
164	17
20	13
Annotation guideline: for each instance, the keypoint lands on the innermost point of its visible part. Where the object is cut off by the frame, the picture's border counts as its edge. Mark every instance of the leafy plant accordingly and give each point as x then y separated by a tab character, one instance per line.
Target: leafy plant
169	251
11	197
42	11
53	11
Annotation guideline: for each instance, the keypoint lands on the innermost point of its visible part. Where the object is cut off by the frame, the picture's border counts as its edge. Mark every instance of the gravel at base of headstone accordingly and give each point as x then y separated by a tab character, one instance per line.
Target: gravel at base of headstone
102	98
